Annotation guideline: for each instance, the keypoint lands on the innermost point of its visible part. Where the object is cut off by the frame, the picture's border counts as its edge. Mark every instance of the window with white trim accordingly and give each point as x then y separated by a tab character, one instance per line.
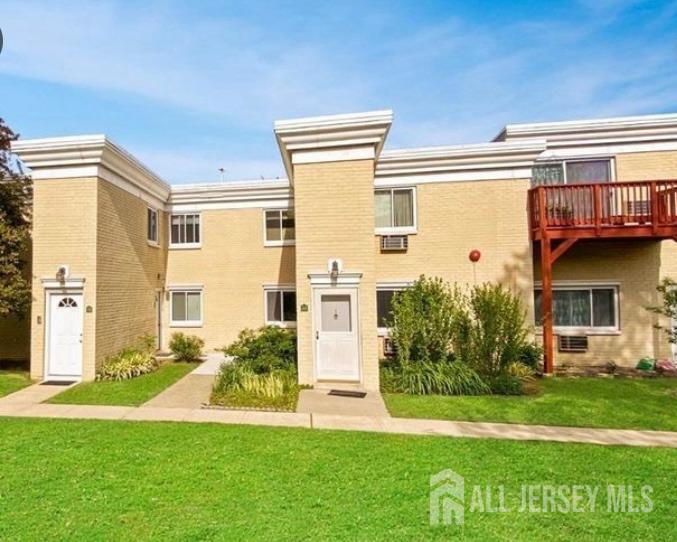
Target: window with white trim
592	308
279	227
384	301
591	171
395	210
152	226
185	230
186	308
280	306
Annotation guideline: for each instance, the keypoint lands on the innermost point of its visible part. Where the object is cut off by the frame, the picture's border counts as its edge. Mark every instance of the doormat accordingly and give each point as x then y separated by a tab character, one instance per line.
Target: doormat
57	382
348	393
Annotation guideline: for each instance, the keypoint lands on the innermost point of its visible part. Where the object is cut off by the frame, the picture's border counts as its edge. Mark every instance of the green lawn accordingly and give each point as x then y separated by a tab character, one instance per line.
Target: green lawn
132	392
98	480
583	402
11	381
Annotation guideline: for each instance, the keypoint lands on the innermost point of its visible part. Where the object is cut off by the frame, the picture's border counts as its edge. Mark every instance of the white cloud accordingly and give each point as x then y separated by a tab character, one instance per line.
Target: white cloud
452	81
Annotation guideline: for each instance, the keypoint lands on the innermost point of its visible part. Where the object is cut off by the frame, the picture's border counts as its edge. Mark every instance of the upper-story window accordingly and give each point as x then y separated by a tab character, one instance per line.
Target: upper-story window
152	226
395	210
280	228
185	230
573	172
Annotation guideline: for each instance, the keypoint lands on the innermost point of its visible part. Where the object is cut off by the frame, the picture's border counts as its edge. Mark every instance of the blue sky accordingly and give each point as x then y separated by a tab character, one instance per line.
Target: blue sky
189	87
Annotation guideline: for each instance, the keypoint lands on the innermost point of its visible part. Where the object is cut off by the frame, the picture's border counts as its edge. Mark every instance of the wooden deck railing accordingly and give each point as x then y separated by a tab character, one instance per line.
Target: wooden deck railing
604	206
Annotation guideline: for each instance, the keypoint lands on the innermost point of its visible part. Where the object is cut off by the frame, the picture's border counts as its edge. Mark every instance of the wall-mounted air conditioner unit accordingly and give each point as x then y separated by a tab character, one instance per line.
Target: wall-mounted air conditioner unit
394	242
572	343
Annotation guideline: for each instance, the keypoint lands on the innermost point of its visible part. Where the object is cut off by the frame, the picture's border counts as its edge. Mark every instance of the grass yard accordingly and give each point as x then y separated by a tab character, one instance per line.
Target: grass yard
585	402
11	381
132	392
100	480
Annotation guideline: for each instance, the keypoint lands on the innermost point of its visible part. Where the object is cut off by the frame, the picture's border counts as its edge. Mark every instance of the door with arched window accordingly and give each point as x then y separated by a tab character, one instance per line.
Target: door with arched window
64	336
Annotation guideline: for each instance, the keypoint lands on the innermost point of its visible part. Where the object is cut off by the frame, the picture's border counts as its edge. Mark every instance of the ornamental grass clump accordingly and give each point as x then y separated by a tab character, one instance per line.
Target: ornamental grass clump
262	373
130	362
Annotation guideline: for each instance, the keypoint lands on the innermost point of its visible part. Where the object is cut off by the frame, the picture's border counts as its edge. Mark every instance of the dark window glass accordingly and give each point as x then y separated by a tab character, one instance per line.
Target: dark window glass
384	300
289	306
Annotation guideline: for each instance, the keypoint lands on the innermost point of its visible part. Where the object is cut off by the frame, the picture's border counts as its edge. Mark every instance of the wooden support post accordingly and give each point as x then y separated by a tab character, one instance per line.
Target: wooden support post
546	305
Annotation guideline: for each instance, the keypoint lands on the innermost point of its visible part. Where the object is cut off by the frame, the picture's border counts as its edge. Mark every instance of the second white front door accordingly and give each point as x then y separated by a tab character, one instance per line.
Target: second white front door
336	334
64	354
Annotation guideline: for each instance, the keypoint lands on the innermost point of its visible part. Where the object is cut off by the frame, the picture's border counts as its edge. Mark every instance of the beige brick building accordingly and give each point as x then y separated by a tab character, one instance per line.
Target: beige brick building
118	253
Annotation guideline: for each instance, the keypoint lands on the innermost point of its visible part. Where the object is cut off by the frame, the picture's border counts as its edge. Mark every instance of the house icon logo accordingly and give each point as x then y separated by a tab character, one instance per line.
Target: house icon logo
447	498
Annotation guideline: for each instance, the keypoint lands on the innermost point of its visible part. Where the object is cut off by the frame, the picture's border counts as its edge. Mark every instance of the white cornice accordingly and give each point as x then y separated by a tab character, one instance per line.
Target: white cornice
610	130
231	195
90	156
484	161
332	138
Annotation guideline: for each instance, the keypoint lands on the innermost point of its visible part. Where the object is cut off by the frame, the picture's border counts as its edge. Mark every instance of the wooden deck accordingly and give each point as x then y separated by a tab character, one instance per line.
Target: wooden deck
638	209
562	215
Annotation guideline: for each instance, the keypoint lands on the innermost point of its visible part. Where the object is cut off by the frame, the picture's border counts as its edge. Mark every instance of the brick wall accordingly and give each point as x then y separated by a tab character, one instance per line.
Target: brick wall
334	205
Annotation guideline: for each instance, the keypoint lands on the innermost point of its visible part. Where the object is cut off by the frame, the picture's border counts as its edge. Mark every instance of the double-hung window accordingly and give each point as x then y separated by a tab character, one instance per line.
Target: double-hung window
279	226
186	307
395	210
152	226
582	308
185	230
280	306
573	172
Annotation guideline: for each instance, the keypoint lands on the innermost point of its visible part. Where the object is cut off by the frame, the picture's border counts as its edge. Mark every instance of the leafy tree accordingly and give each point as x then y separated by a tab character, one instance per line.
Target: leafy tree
16	194
668	289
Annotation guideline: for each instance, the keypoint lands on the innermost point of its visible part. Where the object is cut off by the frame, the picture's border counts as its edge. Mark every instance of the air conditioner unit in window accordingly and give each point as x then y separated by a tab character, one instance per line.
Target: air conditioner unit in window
572	343
394	242
388	347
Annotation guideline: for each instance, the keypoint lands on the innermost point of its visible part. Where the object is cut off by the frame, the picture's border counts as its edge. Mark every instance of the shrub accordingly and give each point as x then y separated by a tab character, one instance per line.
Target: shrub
264	350
530	355
506	384
424	321
445	378
186	347
130	362
496	333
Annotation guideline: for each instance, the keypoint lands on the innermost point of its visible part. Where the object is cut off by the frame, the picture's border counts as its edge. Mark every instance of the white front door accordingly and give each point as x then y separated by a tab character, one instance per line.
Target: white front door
64	349
336	334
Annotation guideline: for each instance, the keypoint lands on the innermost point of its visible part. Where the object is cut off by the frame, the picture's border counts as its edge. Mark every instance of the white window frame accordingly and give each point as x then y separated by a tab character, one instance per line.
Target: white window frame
564	161
401	230
153	242
281	242
184	245
389	287
587	330
183	290
278	288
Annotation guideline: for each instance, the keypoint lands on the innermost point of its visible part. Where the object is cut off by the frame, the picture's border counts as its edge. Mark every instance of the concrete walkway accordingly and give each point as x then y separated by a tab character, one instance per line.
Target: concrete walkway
193	390
318	401
24	403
